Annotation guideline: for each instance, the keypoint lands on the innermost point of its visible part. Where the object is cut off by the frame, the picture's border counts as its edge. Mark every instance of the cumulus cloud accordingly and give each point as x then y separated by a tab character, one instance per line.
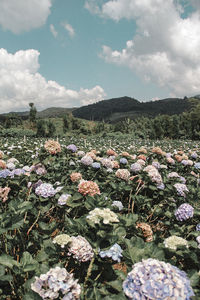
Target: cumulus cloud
53	30
24	15
21	83
69	29
165	48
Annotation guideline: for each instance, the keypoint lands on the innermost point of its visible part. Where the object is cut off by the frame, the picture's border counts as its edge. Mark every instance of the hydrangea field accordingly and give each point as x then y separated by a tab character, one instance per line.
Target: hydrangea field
99	218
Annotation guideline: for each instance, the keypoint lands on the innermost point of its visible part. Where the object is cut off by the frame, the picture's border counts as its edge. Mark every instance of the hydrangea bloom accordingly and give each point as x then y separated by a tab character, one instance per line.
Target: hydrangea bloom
184	212
72	148
197	165
118	204
4	193
194	155
153	174
75	176
123	174
52	146
63	199
123	161
97	214
173	241
88	188
115	252
62	240
40	169
106	162
10	166
5	173
96	165
154	279
80	249
198	227
86	160
136	167
181	188
80	153
146	230
156	164
45	190
55	282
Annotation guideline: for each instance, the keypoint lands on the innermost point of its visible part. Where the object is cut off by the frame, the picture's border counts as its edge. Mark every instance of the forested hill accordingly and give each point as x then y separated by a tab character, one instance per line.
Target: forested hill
116	109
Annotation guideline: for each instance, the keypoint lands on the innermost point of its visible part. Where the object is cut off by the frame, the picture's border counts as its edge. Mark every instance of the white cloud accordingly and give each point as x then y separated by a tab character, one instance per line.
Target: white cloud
21	83
69	29
53	30
23	15
165	48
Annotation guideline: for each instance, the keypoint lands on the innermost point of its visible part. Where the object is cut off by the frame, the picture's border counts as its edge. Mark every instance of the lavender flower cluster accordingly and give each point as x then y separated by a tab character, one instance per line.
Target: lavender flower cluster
7	173
86	160
115	252
136	167
184	212
56	283
72	148
181	189
154	279
46	190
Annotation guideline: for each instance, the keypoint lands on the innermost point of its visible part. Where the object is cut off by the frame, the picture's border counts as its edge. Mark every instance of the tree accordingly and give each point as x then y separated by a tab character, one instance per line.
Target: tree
51	128
41	128
32	113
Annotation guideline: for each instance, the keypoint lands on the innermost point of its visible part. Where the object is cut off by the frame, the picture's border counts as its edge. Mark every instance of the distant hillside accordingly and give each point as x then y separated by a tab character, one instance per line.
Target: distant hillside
46	113
116	109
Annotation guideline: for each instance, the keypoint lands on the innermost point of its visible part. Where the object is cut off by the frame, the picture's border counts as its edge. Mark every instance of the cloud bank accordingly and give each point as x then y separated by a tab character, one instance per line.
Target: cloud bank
165	48
23	15
21	83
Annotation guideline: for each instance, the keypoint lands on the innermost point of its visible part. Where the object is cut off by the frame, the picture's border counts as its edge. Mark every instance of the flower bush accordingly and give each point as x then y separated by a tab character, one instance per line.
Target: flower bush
99	224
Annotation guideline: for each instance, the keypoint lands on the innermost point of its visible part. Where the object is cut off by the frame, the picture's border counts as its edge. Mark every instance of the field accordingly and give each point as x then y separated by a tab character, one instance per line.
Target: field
99	218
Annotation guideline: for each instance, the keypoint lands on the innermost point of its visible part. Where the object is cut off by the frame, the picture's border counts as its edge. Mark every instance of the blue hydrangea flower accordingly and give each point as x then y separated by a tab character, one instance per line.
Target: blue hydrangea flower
154	279
72	147
5	173
123	161
198	227
184	212
115	252
197	165
96	165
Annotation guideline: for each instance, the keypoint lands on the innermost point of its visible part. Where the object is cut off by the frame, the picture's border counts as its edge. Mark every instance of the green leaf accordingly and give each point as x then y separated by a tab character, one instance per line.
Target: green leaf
27	262
8	261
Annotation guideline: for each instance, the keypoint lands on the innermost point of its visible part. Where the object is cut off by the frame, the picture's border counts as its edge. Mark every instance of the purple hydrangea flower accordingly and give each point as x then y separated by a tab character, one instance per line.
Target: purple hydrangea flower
181	188
156	164
123	161
63	199
45	190
86	160
115	252
194	155
154	279
198	227
72	148
184	212
96	165
136	167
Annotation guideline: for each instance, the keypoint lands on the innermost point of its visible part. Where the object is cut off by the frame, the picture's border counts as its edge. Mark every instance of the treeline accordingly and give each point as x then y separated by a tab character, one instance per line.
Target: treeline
178	126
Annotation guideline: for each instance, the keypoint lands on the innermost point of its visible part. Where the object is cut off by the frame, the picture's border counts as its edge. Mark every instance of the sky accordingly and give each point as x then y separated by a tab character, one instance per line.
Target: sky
70	53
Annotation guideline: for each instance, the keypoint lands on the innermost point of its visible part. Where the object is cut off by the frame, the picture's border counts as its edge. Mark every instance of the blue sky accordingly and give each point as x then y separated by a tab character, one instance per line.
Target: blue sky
75	52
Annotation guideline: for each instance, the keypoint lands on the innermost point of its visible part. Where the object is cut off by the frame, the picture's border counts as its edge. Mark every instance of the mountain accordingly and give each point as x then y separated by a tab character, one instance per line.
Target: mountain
46	113
116	109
